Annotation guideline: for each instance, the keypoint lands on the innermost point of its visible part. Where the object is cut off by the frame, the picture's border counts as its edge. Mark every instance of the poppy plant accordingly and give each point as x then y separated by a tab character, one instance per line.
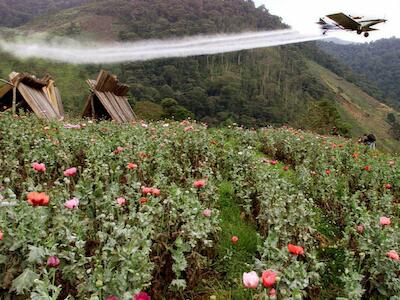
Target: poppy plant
199	184
234	240
328	172
132	166
121	201
360	229
272	293
250	280
143	200
38	199
207	213
142	296
39	167
71	204
268	278
384	221
296	250
53	262
70	172
392	254
388	186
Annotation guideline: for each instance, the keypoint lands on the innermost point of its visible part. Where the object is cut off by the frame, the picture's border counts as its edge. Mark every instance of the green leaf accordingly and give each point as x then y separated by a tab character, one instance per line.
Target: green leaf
24	282
36	254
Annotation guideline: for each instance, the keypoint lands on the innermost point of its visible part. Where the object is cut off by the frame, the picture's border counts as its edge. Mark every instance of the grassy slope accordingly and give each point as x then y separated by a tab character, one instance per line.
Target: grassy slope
365	113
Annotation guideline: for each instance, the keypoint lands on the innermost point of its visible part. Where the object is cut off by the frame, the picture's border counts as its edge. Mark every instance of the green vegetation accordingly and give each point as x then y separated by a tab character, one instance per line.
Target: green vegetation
319	212
378	62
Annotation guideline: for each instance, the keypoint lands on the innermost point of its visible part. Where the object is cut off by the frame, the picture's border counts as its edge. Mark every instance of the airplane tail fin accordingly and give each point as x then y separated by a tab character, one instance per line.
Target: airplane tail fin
321	22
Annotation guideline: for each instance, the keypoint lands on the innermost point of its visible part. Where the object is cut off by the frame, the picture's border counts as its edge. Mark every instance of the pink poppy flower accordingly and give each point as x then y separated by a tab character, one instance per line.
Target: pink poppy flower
142	296
268	278
272	293
53	262
250	280
273	162
132	166
234	240
70	172
112	298
384	221
285	168
71	204
360	229
388	186
155	192
1	235
121	201
39	167
146	190
119	150
189	128
207	213
392	254
199	184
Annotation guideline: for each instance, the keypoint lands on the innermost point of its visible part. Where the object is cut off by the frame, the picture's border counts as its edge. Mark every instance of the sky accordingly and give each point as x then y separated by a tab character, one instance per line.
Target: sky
302	15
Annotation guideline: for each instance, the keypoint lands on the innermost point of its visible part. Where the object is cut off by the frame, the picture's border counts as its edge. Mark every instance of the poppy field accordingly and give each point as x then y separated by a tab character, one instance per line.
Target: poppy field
172	210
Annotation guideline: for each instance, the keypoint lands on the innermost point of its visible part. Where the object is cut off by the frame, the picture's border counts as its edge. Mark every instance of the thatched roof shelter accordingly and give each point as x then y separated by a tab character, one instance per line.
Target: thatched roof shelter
108	99
25	91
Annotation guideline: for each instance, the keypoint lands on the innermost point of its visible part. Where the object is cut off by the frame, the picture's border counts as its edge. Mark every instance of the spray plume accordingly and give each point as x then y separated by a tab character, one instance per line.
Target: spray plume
76	53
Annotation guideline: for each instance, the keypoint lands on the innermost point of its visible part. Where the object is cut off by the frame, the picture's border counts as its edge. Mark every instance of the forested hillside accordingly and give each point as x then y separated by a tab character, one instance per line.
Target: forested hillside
18	12
378	61
254	88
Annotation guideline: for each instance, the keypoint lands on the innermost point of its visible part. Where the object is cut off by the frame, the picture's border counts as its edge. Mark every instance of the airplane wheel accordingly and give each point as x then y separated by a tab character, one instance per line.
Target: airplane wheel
366	34
359	31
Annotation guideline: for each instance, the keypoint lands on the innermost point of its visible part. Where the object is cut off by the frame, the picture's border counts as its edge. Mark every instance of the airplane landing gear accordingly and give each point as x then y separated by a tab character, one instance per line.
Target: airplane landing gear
359	31
366	34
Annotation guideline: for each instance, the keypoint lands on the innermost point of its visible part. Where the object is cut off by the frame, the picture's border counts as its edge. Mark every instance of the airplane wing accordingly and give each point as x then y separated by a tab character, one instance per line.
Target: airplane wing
344	21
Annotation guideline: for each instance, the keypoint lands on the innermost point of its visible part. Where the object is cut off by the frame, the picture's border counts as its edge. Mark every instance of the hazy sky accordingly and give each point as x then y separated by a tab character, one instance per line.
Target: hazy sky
302	15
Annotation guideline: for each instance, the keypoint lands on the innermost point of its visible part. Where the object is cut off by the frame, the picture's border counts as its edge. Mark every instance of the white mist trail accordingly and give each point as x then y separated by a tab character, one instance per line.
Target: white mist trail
150	49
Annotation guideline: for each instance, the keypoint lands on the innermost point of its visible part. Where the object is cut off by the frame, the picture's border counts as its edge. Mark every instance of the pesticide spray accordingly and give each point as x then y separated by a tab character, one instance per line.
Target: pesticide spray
76	53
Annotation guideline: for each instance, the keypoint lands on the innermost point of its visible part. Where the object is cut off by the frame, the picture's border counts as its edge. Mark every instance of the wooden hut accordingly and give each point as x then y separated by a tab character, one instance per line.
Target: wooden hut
108	99
25	91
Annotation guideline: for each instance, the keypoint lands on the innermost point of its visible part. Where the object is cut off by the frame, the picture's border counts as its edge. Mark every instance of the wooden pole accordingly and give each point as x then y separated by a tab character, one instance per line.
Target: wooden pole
7	82
14	101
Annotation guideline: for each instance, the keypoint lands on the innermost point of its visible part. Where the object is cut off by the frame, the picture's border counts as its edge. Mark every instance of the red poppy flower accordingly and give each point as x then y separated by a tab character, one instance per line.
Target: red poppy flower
285	168
296	250
38	199
367	168
328	172
388	186
143	200
268	278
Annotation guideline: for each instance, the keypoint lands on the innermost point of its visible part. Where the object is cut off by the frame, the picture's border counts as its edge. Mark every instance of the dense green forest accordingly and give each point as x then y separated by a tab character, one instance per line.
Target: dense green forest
378	62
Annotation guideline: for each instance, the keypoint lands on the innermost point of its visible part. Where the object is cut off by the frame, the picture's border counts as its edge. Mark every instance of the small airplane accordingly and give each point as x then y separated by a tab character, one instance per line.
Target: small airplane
350	23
